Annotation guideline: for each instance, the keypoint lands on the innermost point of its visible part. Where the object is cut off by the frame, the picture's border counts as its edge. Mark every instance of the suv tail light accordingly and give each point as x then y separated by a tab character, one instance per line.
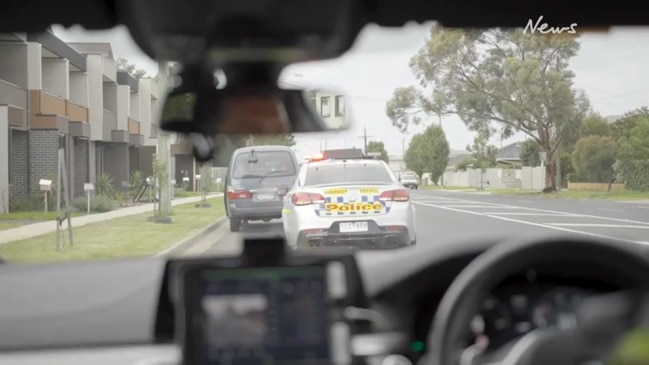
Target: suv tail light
307	198
234	194
398	195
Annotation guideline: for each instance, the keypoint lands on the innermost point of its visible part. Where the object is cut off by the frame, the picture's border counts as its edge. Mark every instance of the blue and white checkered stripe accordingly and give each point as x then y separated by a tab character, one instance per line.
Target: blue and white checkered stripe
322	207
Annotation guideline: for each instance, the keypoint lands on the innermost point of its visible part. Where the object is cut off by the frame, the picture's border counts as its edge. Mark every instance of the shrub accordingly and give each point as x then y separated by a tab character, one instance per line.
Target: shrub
98	204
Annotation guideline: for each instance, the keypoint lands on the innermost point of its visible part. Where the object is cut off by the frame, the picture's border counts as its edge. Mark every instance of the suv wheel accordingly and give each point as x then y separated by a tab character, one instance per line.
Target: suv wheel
235	225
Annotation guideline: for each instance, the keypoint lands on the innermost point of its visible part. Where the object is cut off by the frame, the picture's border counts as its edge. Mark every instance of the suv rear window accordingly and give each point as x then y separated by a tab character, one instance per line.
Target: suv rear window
347	174
269	164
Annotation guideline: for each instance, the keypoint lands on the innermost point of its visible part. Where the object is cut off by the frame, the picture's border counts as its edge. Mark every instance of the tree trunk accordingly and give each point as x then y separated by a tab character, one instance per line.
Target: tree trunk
550	177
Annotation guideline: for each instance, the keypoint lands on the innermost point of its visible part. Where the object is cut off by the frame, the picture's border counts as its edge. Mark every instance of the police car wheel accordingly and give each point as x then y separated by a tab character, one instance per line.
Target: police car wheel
235	225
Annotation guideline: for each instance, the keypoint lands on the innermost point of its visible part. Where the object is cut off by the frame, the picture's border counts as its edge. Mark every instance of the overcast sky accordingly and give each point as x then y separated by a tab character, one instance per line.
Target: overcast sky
611	68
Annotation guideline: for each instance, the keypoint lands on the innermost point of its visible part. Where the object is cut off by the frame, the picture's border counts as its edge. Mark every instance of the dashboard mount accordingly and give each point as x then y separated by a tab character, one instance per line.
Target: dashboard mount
268	305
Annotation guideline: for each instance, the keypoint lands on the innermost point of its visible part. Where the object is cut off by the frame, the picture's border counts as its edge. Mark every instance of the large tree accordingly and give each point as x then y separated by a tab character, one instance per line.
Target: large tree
428	153
498	80
377	146
530	153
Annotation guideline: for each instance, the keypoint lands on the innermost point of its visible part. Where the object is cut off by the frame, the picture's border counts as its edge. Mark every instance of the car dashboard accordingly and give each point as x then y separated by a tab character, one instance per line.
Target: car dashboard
124	321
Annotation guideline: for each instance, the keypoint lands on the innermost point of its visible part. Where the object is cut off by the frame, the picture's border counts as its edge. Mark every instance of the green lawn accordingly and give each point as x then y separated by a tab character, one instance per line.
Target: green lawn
121	237
8	225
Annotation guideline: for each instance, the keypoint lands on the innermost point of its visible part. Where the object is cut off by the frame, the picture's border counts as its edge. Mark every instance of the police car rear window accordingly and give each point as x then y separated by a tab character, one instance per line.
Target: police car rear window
347	174
268	164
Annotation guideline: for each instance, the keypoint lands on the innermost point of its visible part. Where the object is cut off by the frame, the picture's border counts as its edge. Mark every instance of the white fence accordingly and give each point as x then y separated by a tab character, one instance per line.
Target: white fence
528	178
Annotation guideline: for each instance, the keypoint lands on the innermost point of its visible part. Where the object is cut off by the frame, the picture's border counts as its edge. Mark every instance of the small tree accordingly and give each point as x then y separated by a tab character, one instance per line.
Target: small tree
593	158
484	154
428	153
160	181
377	146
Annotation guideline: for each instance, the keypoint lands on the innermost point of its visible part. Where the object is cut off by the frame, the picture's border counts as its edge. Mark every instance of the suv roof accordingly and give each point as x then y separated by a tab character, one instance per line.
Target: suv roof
263	148
342	161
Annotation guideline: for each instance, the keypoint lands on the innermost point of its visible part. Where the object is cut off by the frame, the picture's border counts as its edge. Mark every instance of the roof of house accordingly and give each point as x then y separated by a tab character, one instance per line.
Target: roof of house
510	152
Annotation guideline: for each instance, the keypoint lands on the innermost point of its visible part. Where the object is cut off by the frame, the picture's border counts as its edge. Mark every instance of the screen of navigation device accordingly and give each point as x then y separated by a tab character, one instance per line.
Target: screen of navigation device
265	316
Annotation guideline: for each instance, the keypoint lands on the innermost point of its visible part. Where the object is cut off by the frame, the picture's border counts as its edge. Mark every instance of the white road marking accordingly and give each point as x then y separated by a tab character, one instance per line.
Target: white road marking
480	206
558	228
532	214
612	210
506	206
597	225
568	230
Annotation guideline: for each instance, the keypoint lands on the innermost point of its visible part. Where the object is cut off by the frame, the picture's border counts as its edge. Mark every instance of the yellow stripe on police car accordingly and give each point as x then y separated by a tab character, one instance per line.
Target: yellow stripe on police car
338	191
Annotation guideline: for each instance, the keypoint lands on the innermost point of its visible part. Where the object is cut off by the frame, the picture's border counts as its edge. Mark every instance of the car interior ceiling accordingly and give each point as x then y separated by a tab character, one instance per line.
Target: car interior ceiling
39	15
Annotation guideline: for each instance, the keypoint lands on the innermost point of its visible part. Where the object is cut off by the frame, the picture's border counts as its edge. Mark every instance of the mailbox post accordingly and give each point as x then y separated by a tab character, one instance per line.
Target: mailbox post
46	187
88	188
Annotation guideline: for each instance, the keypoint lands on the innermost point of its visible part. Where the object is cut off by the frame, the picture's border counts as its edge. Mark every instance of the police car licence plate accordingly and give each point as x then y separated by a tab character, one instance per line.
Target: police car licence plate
348	227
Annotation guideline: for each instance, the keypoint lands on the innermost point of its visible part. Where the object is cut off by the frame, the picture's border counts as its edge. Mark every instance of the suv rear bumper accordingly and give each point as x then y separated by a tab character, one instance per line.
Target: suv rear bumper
267	212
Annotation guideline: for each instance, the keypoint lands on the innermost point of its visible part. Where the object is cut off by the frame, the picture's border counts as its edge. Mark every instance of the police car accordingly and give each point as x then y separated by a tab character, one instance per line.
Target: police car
355	203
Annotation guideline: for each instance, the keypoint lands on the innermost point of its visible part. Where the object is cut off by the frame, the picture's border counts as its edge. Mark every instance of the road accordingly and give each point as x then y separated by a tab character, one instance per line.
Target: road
447	217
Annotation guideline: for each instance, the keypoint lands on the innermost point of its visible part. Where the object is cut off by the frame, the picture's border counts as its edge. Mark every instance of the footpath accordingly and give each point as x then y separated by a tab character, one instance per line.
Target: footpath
38	229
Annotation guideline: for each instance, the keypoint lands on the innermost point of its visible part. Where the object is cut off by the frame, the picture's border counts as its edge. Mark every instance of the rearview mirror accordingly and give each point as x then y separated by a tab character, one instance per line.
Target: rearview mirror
212	111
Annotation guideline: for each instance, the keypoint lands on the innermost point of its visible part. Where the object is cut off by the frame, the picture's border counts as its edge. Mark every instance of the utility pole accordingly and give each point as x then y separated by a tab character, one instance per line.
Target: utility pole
164	150
364	136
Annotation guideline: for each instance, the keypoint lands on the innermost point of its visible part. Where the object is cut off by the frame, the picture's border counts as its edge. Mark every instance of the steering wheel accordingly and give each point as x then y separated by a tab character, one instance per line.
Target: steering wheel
601	320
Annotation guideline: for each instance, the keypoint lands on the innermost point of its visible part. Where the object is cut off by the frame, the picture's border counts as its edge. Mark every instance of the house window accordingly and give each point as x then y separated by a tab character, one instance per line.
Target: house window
340	106
325	107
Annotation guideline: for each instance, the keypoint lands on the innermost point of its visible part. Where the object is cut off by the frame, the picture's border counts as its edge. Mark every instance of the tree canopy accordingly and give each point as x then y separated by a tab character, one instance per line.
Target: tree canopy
530	153
377	146
497	81
595	125
130	68
594	157
428	153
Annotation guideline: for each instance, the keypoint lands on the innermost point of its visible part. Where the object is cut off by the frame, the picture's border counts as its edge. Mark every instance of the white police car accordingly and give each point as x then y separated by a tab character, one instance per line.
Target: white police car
354	203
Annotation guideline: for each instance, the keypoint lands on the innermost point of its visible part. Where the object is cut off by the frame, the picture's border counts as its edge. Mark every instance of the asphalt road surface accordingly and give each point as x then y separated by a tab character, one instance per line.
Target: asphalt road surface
453	217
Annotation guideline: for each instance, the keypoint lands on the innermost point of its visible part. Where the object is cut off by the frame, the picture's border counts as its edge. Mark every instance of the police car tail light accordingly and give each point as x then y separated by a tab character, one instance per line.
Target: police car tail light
398	195
234	194
307	198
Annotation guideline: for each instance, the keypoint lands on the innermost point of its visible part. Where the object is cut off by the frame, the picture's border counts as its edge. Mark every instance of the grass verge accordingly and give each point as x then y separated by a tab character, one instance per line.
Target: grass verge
8	225
130	236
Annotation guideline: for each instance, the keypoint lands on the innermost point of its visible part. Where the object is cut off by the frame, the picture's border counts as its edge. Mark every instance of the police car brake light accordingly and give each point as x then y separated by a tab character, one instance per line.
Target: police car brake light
397	195
307	198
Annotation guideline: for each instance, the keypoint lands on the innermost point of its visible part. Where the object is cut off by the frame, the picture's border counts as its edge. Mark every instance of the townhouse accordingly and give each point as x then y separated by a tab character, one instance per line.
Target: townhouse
70	95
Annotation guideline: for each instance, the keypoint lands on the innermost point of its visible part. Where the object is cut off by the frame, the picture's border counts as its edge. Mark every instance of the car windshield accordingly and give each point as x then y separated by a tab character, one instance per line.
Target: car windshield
263	164
507	131
355	173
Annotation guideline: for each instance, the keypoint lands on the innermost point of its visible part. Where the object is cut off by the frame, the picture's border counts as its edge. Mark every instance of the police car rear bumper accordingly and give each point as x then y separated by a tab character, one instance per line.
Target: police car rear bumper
376	237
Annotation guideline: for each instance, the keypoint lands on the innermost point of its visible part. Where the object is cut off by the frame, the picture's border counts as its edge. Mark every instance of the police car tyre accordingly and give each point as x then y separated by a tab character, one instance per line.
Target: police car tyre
235	225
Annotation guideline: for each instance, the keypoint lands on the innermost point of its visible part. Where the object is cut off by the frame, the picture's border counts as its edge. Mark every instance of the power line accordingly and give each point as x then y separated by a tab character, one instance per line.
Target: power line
364	136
